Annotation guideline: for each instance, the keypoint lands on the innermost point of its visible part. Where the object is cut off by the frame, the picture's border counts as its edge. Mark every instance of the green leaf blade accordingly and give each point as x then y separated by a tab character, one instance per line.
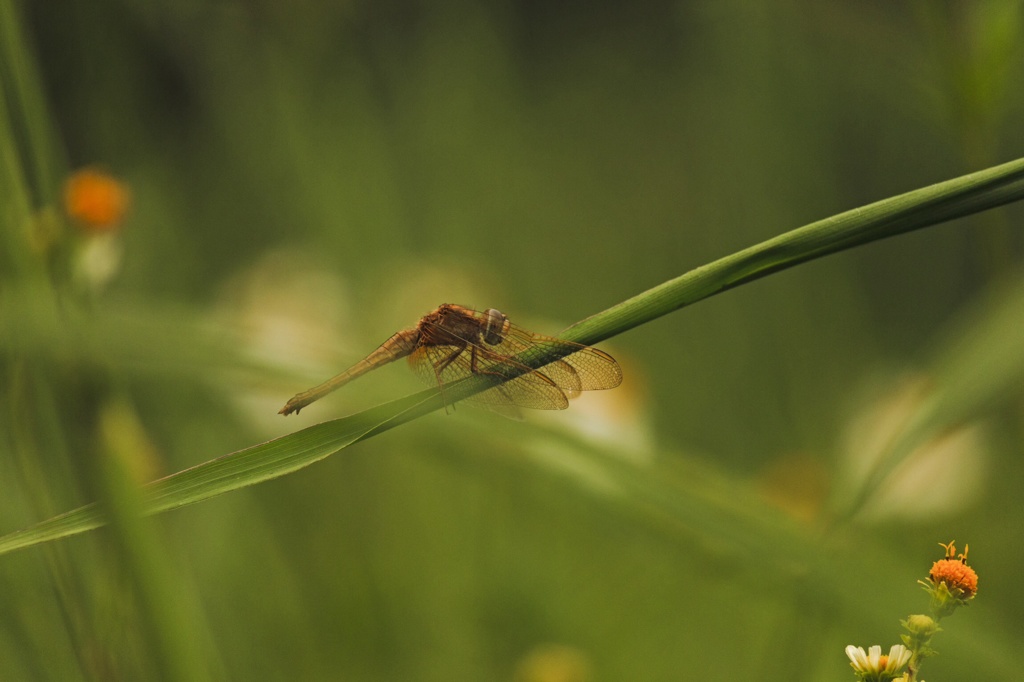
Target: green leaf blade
890	217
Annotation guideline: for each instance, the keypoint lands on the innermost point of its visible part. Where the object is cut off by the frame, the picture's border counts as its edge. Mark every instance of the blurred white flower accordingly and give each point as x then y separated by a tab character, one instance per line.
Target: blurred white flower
940	477
616	418
98	260
288	313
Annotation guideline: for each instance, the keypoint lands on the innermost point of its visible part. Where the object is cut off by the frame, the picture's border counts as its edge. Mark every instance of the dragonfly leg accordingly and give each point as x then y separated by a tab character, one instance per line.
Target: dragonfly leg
440	367
473	366
474	354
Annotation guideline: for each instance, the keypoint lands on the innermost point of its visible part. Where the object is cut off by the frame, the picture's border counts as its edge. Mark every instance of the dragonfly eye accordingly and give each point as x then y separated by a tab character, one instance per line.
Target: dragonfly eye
494	324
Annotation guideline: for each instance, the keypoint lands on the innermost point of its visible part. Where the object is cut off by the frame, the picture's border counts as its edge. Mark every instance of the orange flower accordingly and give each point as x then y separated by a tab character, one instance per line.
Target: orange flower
96	200
957	575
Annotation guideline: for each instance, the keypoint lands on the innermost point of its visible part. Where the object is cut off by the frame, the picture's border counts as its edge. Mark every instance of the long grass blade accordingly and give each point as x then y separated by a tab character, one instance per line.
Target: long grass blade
911	211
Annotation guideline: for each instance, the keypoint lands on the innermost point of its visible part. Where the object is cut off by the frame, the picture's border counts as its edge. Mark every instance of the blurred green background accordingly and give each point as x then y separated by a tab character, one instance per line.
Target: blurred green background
306	178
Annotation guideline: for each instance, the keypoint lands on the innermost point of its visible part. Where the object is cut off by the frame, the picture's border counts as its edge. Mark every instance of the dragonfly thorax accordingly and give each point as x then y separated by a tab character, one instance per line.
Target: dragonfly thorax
494	327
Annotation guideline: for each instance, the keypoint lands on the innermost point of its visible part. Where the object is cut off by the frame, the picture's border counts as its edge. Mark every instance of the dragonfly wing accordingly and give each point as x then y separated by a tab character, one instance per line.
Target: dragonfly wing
444	365
532	390
596	369
582	368
504	404
439	365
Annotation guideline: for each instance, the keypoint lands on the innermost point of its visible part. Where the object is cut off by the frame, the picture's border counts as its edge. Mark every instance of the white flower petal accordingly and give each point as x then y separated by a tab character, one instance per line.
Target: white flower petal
858	659
898	657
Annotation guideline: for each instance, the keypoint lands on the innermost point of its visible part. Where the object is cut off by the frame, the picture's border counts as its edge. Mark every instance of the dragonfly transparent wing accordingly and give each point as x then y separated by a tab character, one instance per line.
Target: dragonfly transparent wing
444	365
547	388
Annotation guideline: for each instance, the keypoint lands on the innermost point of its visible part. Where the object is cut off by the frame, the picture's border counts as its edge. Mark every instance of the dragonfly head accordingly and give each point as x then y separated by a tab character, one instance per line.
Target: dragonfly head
494	326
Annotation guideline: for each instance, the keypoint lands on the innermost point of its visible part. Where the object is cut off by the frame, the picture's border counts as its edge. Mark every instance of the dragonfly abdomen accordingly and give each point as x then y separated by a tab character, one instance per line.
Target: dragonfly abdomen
398	346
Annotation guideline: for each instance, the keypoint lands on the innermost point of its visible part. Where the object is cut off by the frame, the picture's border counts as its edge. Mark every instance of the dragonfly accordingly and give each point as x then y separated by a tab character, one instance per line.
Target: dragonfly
454	342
